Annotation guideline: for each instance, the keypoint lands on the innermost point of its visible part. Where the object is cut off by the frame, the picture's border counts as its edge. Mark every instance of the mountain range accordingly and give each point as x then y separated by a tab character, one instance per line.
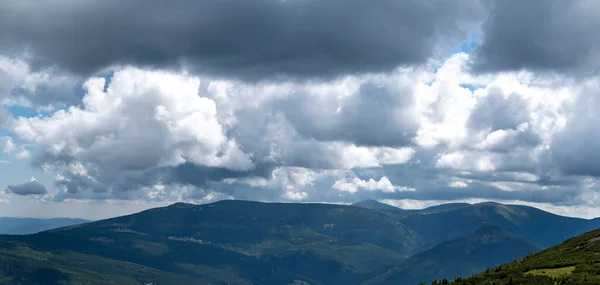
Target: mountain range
243	242
24	226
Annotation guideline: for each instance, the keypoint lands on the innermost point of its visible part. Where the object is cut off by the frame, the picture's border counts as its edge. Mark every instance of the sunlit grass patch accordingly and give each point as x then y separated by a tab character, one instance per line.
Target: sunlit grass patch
552	272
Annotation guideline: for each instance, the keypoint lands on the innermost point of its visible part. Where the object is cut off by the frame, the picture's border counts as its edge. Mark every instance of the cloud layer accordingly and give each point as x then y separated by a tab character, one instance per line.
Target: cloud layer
548	36
404	135
244	39
303	100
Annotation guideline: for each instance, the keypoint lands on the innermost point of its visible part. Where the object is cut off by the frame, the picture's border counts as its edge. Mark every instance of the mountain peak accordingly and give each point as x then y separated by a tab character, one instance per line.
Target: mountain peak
182	205
367	201
375	205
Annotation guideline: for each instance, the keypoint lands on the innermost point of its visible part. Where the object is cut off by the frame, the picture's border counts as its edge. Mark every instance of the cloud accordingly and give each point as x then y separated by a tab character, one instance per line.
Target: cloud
144	128
575	147
142	121
295	196
383	184
244	39
303	100
377	111
459	184
508	140
466	161
8	145
29	188
498	112
23	154
76	179
425	134
4	196
313	125
21	85
540	35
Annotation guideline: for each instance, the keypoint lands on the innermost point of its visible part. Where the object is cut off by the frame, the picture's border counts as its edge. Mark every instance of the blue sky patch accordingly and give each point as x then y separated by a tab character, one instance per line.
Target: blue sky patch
17	111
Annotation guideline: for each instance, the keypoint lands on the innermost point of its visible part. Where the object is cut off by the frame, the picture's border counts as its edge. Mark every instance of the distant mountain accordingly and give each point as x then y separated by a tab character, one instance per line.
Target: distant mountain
575	261
443	208
257	243
376	205
540	227
446	222
23	226
242	242
488	246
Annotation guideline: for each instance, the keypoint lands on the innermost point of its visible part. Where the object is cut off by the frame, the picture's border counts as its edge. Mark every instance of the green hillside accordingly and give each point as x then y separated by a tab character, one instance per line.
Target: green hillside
575	261
20	264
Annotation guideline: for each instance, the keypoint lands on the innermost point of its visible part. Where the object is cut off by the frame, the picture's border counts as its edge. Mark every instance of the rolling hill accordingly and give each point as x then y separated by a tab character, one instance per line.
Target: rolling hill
242	242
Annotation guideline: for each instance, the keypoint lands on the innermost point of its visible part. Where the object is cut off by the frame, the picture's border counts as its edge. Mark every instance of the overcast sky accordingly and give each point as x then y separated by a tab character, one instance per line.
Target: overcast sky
111	107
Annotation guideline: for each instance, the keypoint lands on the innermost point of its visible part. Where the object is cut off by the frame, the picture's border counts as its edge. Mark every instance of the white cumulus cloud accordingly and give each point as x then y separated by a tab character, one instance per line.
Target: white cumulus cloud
142	120
384	185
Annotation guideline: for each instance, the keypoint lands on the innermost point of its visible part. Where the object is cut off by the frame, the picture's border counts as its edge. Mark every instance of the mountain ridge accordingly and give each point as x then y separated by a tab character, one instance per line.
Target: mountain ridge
376	205
247	242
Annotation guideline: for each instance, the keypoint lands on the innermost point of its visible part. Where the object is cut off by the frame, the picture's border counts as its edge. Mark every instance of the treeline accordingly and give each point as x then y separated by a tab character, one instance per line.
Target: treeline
28	271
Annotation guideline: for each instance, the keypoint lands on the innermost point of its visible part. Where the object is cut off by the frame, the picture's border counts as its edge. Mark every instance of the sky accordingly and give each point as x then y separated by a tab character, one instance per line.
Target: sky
112	107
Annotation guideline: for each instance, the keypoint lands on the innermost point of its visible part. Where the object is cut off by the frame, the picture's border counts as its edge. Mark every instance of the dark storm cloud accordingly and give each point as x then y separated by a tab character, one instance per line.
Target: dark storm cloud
29	188
248	39
575	148
201	175
496	112
375	115
540	35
